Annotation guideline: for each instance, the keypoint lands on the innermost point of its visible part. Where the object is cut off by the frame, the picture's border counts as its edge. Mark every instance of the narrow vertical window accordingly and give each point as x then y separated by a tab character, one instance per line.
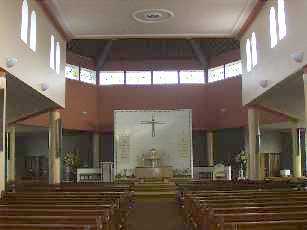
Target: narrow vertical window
254	50
282	19
52	52
33	31
273	27
58	58
24	21
248	56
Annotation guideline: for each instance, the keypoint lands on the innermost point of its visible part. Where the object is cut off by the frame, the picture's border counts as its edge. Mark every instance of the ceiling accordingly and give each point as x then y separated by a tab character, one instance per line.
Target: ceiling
113	18
287	97
23	102
142	49
27	130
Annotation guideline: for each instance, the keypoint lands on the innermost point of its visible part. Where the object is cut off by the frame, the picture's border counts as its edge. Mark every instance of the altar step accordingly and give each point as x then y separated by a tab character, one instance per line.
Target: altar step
155	189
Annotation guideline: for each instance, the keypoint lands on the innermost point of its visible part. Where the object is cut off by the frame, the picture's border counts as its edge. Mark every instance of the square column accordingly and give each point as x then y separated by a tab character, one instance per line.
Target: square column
305	95
253	139
209	136
54	147
12	153
2	131
296	153
96	150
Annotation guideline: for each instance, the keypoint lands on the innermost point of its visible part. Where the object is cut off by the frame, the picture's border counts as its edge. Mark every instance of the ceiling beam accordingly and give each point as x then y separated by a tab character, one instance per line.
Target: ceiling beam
45	5
202	58
102	57
251	17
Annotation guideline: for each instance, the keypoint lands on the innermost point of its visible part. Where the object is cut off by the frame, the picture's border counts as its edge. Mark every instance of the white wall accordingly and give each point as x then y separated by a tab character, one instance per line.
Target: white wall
173	139
274	64
32	67
271	142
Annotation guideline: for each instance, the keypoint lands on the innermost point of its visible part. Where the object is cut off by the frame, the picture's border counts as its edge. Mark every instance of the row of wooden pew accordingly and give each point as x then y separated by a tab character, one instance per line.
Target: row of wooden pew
245	208
87	206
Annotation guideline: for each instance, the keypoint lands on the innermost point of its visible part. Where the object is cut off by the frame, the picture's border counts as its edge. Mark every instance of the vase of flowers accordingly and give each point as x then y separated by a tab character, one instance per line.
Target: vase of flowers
242	160
71	162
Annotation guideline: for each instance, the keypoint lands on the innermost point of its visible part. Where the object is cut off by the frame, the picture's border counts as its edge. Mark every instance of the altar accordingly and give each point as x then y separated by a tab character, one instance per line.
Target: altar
156	172
150	167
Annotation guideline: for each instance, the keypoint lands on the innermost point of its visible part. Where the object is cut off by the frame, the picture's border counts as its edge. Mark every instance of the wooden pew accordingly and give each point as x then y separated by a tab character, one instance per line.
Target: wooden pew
53	208
246	208
266	225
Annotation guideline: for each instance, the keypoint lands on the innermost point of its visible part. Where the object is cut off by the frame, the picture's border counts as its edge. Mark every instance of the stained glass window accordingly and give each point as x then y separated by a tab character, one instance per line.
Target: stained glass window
58	58
52	52
248	56
165	77
273	27
216	74
192	76
282	19
254	50
138	77
112	77
72	72
24	21
88	76
33	31
233	69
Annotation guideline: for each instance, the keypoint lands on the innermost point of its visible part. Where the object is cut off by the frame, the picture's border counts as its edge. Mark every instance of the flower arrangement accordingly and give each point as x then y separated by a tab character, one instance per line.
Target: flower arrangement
242	159
71	160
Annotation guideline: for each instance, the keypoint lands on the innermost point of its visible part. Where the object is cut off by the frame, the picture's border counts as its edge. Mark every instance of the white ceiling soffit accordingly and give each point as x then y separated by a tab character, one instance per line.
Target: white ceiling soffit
115	18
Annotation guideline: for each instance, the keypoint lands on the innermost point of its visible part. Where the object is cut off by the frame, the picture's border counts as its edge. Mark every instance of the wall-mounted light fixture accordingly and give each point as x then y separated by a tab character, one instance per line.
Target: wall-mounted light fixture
11	62
264	83
43	87
298	57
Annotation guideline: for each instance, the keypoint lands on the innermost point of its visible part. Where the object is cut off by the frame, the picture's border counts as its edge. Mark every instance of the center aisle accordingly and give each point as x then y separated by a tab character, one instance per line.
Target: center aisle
155	214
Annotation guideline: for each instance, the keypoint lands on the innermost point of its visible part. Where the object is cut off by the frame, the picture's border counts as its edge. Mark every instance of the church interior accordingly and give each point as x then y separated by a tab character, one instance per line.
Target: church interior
171	115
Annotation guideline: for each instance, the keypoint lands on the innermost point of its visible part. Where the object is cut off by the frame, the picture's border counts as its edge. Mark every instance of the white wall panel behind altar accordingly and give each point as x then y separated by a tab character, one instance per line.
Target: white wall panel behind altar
32	67
274	64
173	139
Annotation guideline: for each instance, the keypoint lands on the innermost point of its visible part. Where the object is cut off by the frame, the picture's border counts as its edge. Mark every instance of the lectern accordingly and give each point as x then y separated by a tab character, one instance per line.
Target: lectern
106	171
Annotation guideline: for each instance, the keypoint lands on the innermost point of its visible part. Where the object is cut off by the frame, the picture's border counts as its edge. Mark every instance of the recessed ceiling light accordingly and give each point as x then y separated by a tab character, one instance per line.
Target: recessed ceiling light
152	15
84	112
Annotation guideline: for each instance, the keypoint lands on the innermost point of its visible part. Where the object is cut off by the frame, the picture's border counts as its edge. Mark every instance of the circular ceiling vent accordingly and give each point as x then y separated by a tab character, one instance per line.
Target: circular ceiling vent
152	15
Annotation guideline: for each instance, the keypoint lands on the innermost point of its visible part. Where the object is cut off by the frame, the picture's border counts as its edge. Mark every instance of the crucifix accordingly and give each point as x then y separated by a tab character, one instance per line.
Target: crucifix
153	124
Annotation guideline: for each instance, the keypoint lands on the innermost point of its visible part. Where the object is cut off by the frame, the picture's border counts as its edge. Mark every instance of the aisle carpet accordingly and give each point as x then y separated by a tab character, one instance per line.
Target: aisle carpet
155	214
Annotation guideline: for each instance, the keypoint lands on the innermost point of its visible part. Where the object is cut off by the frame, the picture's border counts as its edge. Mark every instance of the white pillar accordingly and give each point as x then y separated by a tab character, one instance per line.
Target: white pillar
12	161
305	95
54	154
296	154
210	148
2	130
96	150
253	129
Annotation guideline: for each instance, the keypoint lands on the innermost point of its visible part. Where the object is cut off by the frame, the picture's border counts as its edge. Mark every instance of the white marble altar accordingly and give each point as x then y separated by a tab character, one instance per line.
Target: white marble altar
162	172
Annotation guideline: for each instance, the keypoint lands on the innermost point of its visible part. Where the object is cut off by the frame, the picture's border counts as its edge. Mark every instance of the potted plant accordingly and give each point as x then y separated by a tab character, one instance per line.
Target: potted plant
71	161
242	160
